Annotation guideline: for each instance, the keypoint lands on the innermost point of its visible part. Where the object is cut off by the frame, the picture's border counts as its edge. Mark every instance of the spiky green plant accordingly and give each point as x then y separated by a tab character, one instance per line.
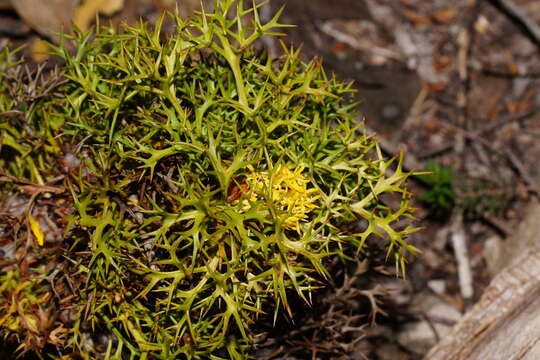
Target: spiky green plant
197	183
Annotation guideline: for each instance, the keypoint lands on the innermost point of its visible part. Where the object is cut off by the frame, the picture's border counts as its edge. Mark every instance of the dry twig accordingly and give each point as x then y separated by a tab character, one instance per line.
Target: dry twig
459	244
517	14
458	236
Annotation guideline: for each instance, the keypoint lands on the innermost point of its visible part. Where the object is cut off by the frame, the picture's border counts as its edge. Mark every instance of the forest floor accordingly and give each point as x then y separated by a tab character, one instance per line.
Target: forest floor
455	87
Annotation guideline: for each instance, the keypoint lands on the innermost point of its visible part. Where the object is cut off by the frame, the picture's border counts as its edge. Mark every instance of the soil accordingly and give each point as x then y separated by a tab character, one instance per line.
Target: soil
454	85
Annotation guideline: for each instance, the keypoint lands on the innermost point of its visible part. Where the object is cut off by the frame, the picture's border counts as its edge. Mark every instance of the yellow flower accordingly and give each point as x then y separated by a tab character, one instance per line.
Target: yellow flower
289	191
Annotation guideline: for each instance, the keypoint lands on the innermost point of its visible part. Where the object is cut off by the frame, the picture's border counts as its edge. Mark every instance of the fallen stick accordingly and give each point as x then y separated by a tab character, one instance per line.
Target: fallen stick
459	243
517	14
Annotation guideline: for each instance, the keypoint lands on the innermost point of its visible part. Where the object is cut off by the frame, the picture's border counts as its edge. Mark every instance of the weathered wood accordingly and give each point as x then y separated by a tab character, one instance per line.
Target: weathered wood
505	323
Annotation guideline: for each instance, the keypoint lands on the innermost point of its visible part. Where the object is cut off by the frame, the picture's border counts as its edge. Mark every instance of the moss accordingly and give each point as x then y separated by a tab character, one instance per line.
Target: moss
138	164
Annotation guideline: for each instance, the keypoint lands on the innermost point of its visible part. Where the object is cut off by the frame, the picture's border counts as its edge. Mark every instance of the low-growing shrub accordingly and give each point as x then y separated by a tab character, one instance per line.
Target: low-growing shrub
168	191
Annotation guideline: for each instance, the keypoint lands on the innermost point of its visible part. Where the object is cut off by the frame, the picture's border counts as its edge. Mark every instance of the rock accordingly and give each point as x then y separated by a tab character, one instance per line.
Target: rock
399	291
418	337
439	316
492	253
433	259
434	307
441	238
438	286
389	352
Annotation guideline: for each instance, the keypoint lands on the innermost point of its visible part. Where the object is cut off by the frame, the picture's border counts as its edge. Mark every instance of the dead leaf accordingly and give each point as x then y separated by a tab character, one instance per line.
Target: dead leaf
445	15
512	68
58	335
339	47
48	17
441	62
5	4
482	24
109	7
438	87
87	12
522	190
38	50
408	3
417	18
511	107
30	187
36	189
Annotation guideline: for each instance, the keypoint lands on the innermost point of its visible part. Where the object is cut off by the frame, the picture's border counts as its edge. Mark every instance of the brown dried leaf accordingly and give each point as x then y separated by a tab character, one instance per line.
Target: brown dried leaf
48	17
417	18
445	15
5	4
87	12
28	321
36	189
58	335
482	24
38	51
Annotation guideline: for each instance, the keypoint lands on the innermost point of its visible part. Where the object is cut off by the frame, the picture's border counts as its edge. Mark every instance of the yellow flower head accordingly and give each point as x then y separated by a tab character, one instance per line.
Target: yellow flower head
289	193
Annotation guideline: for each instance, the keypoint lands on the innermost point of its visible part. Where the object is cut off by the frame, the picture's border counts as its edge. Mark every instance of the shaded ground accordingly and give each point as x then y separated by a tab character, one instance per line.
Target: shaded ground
452	85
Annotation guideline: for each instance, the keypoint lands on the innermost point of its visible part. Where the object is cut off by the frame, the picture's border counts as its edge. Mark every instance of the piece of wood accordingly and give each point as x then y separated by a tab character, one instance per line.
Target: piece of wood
505	323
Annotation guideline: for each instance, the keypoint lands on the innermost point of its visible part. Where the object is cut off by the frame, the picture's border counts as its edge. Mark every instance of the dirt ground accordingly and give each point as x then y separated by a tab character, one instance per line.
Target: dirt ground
454	86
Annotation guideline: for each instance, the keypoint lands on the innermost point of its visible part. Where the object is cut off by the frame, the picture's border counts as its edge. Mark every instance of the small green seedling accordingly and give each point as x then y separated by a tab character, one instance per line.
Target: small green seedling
440	196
